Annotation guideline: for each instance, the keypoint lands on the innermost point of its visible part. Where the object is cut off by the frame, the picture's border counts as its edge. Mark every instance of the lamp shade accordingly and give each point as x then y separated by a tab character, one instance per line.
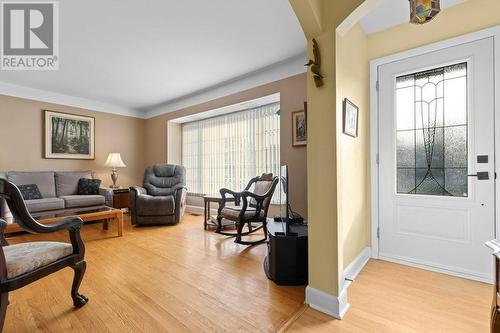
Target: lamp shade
115	161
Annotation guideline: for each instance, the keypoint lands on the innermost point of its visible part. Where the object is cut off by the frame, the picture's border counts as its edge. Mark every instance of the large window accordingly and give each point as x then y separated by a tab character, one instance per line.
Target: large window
229	150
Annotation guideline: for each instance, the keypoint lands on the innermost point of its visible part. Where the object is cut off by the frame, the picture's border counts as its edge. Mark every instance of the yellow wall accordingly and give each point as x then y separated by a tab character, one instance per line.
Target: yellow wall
354	51
353	154
470	16
325	236
338	166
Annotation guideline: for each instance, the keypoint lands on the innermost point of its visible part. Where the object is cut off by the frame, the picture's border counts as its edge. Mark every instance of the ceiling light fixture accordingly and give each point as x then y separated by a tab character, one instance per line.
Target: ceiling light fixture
422	11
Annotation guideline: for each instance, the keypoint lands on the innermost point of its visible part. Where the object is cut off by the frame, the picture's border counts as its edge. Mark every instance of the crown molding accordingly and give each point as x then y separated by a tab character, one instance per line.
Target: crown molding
278	71
275	72
14	90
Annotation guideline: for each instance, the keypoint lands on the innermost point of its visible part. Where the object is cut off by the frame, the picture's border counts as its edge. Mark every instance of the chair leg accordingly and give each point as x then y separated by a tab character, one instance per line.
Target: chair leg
4	302
239	229
250	227
79	300
219	224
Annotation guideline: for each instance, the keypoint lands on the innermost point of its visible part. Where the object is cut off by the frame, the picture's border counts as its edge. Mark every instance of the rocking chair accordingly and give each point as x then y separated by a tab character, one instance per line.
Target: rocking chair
24	263
253	208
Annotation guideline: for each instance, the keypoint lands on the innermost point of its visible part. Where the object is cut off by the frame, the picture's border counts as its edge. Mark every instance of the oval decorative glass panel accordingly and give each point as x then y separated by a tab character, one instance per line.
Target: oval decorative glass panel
422	11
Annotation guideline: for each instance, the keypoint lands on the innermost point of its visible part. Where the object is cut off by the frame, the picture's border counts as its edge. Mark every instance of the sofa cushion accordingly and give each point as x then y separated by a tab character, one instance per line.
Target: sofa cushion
88	186
44	180
26	257
40	205
83	200
150	206
30	192
67	181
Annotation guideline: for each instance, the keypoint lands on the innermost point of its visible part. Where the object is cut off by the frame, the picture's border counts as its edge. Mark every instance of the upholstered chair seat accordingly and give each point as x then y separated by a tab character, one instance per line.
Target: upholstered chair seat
233	212
26	257
161	198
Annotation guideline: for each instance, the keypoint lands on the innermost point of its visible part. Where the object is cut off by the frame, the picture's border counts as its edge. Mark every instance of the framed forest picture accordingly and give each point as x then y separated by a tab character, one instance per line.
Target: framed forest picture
69	136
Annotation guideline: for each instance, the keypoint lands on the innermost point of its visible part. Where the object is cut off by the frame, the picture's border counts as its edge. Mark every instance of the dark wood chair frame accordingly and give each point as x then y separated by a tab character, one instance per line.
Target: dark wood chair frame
12	195
495	307
243	199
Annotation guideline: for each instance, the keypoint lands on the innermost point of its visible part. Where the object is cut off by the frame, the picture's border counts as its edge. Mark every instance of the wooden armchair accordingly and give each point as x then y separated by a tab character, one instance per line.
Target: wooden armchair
253	209
22	264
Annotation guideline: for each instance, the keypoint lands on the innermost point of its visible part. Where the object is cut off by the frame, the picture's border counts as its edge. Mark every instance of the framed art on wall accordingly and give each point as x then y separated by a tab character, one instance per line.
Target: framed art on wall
350	118
69	136
299	128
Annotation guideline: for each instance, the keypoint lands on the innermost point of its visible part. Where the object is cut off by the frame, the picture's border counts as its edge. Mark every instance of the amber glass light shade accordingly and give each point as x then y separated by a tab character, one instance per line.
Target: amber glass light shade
422	11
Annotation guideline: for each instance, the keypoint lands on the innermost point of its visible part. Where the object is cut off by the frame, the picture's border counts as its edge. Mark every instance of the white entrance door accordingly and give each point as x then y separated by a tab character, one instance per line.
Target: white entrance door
436	162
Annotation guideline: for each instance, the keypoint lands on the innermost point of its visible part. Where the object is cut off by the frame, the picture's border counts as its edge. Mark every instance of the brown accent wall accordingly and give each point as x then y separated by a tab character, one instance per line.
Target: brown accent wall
22	140
293	96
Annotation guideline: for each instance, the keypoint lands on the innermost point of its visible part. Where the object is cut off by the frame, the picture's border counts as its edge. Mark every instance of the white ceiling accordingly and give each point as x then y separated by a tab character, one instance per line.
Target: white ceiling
393	12
133	56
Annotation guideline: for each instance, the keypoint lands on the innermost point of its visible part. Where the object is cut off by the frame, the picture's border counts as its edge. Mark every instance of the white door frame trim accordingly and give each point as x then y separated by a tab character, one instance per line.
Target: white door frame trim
494	33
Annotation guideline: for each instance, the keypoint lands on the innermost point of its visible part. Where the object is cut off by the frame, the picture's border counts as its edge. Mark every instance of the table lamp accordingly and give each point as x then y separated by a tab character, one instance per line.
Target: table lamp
114	161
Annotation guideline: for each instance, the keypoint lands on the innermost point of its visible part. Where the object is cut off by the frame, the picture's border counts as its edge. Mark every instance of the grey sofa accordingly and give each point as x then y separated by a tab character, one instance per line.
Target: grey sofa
162	198
59	191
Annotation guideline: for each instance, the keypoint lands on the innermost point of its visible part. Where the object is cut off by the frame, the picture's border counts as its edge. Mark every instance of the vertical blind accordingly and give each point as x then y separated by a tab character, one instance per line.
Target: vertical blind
228	150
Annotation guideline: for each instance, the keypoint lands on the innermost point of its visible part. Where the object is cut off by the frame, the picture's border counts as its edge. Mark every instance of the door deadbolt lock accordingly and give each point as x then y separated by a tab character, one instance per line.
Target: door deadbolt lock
481	175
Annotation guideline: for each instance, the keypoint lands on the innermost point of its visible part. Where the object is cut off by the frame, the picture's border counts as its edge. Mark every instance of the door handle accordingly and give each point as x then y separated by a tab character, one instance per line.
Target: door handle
481	175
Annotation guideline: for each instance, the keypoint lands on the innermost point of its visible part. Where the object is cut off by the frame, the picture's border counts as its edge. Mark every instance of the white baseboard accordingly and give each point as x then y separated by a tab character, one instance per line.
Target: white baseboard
326	303
356	266
333	305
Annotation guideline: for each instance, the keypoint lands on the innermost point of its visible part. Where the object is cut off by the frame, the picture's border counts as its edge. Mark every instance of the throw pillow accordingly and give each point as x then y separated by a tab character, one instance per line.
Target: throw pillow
30	192
88	186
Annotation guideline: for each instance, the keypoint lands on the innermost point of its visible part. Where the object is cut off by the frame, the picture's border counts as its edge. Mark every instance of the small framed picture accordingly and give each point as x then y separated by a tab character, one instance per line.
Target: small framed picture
350	118
299	128
69	136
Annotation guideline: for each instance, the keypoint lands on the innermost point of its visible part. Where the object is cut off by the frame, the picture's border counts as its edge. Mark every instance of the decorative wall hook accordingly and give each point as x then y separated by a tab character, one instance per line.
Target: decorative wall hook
316	65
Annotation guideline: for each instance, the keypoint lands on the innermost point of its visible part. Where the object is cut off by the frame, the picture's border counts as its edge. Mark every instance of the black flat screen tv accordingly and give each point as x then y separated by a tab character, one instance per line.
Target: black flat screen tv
284	204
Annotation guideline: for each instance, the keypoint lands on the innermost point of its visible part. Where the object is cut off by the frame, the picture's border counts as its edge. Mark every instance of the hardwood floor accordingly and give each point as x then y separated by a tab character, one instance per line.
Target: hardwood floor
387	297
157	279
185	279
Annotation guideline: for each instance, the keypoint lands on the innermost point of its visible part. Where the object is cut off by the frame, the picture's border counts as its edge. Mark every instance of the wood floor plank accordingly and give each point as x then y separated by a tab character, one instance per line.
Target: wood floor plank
387	297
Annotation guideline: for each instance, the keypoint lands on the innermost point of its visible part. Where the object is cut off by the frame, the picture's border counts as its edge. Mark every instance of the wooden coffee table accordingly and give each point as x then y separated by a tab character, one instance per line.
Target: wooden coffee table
103	213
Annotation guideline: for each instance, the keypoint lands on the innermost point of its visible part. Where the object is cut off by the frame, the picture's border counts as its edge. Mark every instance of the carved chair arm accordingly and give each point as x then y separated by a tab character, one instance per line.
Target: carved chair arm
223	193
3	225
258	198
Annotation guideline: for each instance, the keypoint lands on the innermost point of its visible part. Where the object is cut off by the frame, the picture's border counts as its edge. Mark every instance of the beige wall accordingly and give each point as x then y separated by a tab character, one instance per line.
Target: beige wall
22	140
160	141
353	154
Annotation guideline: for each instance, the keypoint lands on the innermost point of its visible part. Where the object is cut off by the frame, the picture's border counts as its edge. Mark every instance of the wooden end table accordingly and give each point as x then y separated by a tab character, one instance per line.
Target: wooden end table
121	198
103	213
207	200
